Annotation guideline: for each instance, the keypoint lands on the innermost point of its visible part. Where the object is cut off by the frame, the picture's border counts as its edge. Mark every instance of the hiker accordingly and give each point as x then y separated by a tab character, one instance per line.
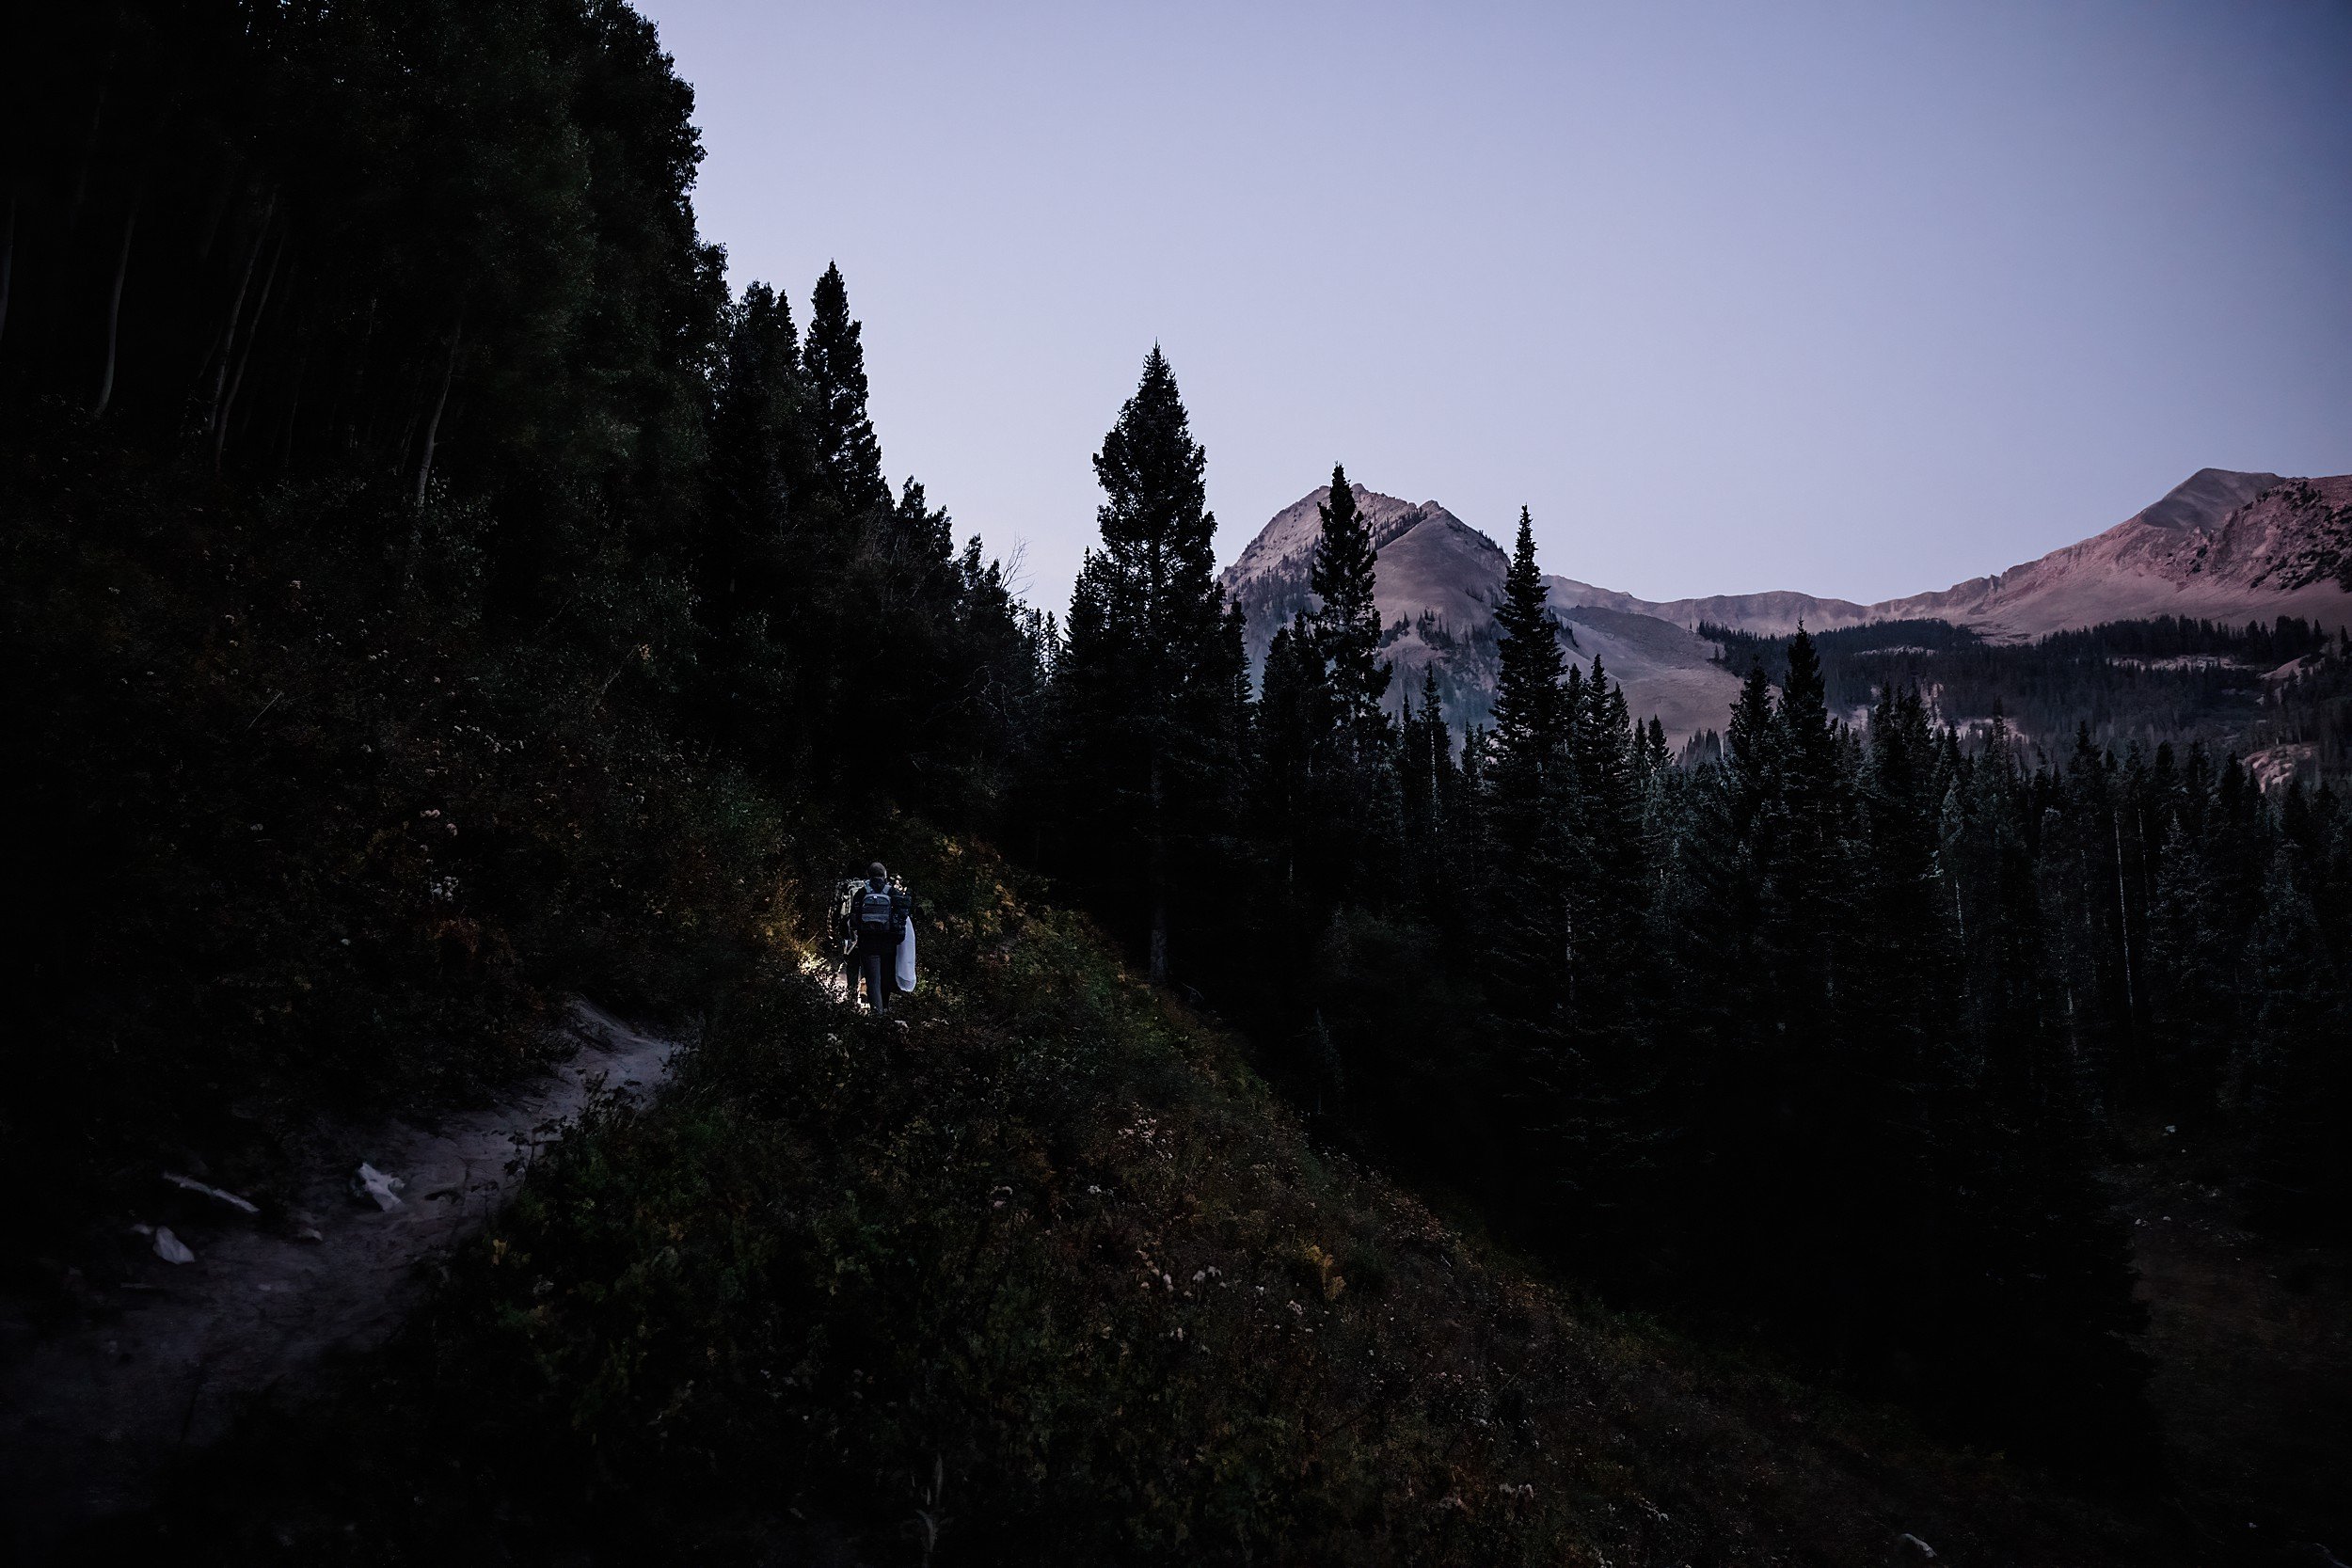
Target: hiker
877	924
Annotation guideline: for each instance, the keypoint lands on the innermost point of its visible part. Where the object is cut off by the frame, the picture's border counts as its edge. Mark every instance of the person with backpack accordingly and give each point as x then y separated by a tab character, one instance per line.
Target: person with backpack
878	923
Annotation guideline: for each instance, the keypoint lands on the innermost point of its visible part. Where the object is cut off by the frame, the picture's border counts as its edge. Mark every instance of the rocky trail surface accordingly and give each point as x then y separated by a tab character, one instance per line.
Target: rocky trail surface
165	1358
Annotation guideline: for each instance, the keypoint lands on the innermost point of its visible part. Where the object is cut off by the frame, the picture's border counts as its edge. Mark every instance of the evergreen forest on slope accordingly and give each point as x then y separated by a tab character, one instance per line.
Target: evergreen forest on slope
431	593
2269	690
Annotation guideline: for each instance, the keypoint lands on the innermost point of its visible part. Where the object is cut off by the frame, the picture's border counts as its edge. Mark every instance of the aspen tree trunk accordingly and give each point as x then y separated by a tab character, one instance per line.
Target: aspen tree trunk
114	308
294	404
433	426
220	419
236	312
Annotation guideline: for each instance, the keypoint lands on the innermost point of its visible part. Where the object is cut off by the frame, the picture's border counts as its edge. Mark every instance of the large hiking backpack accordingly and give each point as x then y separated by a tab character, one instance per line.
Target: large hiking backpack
879	915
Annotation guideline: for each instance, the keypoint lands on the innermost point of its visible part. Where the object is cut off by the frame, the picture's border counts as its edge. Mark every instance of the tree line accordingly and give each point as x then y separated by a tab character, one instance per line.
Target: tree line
2167	678
1827	1030
1824	1030
429	588
449	253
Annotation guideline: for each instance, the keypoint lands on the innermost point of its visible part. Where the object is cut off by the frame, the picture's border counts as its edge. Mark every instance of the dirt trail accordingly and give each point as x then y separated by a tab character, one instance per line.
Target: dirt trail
168	1357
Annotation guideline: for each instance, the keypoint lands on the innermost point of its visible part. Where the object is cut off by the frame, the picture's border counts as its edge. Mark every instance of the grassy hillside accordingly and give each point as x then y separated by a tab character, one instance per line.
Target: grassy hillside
1045	1274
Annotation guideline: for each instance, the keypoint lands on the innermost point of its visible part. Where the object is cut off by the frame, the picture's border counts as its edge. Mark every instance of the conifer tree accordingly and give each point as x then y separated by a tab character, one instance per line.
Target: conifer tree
1429	798
1814	878
1294	733
847	458
1441	740
754	590
756	457
1749	750
1528	958
1347	624
1526	732
1151	686
2291	1071
1612	1132
1605	881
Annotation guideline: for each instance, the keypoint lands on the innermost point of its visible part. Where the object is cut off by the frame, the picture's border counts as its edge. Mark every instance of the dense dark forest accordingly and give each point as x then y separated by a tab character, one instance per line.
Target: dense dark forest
429	591
424	582
2132	682
1846	1016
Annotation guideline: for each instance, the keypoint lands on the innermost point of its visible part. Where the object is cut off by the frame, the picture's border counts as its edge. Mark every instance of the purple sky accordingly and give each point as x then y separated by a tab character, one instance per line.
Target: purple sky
1858	299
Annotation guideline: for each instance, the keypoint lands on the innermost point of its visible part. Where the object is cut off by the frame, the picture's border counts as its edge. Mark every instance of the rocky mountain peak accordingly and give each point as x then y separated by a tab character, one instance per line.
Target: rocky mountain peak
1437	583
2205	498
2222	545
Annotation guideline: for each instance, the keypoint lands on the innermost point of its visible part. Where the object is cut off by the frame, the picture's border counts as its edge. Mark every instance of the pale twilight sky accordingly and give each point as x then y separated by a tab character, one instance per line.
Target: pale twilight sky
1858	299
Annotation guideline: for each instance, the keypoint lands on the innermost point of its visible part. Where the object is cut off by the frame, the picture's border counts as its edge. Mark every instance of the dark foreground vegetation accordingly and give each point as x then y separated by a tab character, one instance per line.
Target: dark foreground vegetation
427	591
1049	1275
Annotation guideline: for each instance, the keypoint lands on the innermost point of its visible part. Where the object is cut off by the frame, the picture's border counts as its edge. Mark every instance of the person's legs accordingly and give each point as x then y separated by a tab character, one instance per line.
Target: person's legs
870	960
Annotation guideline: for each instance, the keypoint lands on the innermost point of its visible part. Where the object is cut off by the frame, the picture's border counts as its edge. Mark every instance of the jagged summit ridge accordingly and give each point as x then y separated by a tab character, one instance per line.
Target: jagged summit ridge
1437	582
2222	545
2205	498
1442	570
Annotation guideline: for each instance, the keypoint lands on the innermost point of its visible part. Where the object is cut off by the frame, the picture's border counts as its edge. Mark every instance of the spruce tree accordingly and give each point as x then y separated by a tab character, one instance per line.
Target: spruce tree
756	460
1429	804
1442	768
1529	962
753	589
1814	874
845	456
1151	687
1749	749
1347	622
1526	731
1523	775
2291	1070
1294	733
1614	1130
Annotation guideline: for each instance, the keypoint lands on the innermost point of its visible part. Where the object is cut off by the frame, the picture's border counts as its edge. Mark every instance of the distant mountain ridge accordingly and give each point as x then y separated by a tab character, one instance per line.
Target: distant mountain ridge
2221	546
1438	580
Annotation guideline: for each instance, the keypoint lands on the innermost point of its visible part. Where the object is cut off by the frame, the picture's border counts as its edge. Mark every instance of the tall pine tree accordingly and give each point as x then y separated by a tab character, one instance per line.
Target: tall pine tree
1152	689
1529	968
847	457
1347	624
